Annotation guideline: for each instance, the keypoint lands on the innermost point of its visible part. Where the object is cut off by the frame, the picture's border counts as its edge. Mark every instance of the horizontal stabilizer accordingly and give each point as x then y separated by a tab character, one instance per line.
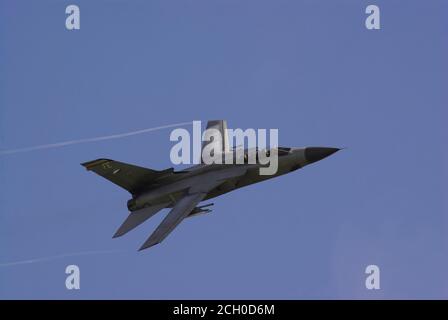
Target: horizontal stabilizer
185	205
137	217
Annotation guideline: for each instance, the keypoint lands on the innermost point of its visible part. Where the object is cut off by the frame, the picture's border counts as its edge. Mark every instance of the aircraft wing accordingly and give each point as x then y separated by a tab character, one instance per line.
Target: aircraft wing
180	211
130	177
185	205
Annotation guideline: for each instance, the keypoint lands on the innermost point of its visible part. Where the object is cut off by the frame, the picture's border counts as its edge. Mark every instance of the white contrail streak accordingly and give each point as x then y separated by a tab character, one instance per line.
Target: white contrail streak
67	143
87	140
73	254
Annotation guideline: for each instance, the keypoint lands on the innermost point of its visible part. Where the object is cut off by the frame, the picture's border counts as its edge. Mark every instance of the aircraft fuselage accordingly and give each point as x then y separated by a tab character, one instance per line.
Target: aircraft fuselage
173	187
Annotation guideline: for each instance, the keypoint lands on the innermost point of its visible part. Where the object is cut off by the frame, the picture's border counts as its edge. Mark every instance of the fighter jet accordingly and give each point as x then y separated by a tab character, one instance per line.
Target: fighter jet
182	191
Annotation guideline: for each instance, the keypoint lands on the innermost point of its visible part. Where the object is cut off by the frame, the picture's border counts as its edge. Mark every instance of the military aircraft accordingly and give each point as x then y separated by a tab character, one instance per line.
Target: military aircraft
183	190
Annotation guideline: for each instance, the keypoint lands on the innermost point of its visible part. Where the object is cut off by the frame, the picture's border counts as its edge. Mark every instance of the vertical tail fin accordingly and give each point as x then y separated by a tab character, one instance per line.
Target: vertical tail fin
221	127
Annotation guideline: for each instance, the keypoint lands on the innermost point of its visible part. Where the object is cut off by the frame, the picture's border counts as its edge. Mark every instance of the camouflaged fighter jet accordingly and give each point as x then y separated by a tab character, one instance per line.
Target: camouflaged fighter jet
182	191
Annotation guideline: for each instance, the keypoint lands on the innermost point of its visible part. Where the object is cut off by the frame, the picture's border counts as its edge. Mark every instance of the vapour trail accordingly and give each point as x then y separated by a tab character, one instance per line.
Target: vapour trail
73	254
87	140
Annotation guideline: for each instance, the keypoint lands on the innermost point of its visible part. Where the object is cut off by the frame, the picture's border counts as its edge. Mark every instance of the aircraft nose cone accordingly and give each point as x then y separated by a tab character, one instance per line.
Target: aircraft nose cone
313	154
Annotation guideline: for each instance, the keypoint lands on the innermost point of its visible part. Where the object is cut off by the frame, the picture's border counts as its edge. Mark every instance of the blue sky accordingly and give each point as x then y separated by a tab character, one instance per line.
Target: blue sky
309	68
